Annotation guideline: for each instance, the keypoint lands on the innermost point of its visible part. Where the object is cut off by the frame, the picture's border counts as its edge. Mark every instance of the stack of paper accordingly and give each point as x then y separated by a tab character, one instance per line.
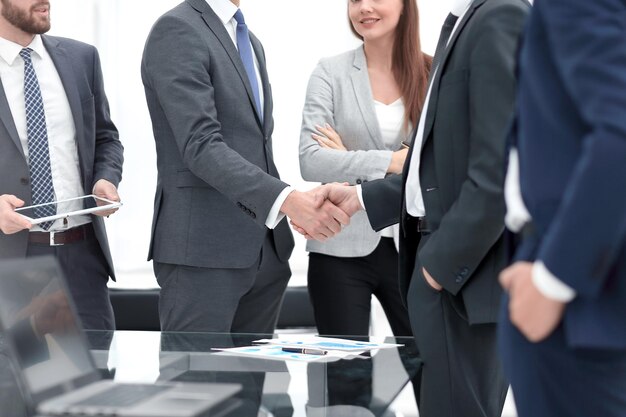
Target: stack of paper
307	349
328	343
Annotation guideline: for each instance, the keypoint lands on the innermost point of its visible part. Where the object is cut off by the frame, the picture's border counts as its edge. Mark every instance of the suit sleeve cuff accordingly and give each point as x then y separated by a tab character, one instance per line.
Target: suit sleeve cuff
275	216
359	194
115	183
549	285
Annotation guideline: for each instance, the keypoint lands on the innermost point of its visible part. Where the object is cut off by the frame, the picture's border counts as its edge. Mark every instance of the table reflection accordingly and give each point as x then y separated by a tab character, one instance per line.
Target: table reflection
11	401
359	387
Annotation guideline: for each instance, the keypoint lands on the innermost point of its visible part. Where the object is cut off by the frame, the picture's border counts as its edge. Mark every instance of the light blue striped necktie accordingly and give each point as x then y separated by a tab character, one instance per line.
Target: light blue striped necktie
245	52
38	153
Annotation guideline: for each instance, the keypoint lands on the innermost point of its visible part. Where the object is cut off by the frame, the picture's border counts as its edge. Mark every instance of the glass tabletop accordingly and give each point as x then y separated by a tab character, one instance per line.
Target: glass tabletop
361	386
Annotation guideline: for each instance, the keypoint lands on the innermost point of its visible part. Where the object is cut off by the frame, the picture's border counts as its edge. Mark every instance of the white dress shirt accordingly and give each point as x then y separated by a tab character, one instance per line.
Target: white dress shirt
59	122
225	11
390	120
517	216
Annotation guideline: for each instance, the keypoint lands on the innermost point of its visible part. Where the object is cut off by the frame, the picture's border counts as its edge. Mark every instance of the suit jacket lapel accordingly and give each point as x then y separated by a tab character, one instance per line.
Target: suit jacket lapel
265	82
363	93
434	94
217	27
267	105
65	70
7	119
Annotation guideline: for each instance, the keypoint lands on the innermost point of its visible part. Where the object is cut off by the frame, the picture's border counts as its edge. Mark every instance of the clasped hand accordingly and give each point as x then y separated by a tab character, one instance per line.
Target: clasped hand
322	211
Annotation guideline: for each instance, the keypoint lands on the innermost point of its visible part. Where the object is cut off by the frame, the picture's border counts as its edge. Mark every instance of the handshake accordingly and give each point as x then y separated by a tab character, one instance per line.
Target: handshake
321	212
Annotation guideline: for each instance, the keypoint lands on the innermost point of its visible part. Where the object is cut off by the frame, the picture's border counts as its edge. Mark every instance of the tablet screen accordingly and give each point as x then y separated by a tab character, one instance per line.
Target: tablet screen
66	208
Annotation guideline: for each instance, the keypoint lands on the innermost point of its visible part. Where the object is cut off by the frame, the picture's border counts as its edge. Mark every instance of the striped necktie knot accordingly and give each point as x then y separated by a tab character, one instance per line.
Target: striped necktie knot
25	54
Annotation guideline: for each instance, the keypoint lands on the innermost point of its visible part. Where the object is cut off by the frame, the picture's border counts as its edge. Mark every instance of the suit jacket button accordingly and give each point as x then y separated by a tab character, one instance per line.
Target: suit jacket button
359	181
458	279
24	181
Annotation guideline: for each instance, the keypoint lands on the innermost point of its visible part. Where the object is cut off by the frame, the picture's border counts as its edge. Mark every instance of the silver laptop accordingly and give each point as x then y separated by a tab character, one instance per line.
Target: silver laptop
42	330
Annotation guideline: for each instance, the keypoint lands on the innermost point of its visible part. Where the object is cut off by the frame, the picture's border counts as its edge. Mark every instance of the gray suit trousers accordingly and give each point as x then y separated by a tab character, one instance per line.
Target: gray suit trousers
87	274
244	300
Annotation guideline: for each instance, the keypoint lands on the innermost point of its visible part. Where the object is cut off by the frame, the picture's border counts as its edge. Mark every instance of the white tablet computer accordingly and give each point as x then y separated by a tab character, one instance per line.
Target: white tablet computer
70	207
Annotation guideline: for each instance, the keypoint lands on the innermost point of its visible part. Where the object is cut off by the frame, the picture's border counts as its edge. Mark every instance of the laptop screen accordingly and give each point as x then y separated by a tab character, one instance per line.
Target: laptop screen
39	321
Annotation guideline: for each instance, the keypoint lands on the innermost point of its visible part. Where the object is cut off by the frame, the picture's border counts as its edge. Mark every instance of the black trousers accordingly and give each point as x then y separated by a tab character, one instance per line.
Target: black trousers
461	374
341	290
86	272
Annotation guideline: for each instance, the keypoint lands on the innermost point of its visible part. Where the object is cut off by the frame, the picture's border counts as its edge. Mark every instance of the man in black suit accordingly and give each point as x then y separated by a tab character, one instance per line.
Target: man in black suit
451	246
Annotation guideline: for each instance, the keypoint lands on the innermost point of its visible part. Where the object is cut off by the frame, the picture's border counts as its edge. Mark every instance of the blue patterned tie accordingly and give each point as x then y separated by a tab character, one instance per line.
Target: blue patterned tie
245	52
38	153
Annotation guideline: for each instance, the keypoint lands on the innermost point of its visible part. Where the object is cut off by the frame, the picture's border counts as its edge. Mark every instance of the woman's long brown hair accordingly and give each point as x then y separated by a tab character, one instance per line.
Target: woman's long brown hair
410	65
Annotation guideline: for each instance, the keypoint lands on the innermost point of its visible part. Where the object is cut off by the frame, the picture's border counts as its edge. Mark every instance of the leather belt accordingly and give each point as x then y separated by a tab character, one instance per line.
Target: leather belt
62	237
422	225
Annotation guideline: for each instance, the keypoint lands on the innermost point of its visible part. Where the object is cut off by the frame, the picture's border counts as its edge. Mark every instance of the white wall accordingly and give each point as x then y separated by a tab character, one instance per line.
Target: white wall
295	37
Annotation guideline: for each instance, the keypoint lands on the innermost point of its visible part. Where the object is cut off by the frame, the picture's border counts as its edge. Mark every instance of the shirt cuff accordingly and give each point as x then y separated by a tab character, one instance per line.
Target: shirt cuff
275	215
359	194
549	285
517	214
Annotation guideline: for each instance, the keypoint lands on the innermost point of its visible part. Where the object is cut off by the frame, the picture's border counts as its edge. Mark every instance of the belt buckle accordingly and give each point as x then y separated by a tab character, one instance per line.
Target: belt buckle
52	242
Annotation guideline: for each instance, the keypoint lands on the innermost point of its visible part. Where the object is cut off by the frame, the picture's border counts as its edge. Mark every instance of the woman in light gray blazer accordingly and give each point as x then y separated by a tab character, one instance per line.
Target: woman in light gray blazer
360	107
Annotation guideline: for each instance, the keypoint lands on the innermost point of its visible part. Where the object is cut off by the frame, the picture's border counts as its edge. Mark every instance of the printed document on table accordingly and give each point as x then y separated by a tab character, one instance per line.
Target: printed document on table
276	352
327	343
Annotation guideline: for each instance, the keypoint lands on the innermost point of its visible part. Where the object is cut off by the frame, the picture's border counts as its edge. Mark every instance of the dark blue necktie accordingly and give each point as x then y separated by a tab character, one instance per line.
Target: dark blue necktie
245	52
38	153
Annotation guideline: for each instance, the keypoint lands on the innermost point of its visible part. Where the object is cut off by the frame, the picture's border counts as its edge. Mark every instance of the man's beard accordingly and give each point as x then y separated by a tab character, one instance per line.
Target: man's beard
23	19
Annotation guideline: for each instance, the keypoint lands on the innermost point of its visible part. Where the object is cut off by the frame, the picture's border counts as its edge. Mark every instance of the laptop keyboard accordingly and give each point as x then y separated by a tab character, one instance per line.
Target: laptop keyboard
122	395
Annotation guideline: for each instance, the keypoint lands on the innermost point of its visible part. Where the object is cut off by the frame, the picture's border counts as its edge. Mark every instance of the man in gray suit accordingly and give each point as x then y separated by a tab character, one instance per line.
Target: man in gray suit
57	141
220	244
452	216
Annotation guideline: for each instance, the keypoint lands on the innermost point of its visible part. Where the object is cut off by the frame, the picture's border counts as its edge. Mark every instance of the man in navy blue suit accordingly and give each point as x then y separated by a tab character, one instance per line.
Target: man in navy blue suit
563	330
